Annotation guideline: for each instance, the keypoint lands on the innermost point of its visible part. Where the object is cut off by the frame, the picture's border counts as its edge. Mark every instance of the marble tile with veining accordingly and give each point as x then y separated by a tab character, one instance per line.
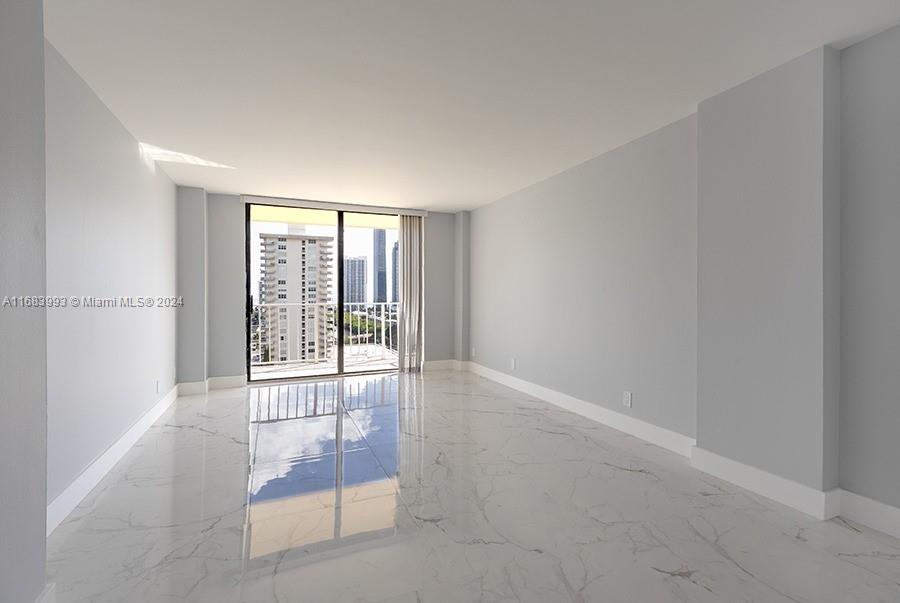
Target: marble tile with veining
441	487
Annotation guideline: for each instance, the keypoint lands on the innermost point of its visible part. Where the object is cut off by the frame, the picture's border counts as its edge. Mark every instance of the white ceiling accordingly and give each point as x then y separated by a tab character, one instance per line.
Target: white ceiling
422	103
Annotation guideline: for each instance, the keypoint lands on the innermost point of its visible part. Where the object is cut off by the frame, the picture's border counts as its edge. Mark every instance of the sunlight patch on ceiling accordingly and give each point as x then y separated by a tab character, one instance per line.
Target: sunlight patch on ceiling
154	153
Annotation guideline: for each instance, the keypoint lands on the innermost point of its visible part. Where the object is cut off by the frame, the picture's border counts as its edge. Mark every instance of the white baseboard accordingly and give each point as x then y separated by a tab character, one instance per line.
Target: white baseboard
665	438
48	595
818	504
442	365
226	382
192	388
871	513
821	505
81	486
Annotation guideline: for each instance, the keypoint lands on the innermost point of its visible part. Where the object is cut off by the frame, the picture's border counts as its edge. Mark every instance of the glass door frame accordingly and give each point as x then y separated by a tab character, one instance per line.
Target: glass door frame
248	300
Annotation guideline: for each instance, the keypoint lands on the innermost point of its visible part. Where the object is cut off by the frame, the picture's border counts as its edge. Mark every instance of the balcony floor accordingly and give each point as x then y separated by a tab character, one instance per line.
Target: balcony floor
358	358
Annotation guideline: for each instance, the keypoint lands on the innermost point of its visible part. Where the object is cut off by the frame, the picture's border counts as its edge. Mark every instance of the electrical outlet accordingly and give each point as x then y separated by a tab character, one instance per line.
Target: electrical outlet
512	363
157	386
626	399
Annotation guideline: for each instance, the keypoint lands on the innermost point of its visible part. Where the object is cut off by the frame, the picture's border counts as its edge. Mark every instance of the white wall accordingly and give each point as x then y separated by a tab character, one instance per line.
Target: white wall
767	325
110	232
227	286
588	279
23	359
870	287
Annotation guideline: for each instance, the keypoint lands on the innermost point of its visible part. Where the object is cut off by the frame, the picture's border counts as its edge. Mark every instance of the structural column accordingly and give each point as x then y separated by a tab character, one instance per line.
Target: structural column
23	330
769	286
192	287
461	286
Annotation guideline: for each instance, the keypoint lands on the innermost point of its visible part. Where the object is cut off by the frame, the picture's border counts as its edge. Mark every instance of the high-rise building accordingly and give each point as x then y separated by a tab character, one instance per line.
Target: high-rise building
355	280
295	270
395	272
380	268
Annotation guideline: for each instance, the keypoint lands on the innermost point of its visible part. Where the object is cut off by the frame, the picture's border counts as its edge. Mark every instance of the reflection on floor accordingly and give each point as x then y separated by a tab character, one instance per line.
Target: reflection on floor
445	487
314	481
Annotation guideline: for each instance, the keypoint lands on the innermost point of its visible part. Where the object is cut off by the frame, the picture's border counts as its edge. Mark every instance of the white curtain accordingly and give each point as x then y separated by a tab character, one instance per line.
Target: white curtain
412	276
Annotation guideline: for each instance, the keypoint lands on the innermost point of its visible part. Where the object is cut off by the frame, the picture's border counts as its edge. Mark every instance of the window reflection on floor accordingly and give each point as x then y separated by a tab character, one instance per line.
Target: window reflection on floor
324	464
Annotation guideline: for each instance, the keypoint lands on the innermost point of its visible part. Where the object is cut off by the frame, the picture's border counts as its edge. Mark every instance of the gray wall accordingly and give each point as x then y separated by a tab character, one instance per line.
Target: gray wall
192	284
588	279
439	286
870	303
23	365
764	334
227	286
110	232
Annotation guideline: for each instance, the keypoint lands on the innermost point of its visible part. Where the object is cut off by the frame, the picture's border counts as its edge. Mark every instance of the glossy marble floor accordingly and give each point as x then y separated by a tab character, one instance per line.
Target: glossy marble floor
445	487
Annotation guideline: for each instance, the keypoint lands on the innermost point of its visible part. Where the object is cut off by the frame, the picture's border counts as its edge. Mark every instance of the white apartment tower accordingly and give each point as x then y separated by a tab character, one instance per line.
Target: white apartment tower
295	270
355	280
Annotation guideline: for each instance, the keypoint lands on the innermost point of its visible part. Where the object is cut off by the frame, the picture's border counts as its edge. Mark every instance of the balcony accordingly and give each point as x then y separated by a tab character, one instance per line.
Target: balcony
369	339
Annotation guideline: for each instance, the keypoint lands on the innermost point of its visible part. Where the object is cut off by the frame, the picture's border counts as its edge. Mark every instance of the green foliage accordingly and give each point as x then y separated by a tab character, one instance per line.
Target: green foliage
357	325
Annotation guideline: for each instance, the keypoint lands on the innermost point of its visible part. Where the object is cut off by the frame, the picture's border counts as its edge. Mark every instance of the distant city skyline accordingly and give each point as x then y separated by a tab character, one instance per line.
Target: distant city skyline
380	266
358	242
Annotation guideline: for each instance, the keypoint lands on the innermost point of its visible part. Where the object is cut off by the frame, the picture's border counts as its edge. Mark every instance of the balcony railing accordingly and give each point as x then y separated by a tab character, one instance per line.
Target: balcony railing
295	339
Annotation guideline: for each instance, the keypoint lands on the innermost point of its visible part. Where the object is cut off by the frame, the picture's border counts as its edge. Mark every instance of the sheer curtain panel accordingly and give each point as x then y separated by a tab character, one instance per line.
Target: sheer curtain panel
412	275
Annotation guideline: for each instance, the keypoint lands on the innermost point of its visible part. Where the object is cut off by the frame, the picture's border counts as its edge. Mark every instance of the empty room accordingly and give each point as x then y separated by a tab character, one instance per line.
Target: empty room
450	301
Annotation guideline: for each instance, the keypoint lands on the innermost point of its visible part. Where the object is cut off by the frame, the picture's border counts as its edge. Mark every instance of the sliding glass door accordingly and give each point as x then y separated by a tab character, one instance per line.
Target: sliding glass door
293	286
322	292
371	292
